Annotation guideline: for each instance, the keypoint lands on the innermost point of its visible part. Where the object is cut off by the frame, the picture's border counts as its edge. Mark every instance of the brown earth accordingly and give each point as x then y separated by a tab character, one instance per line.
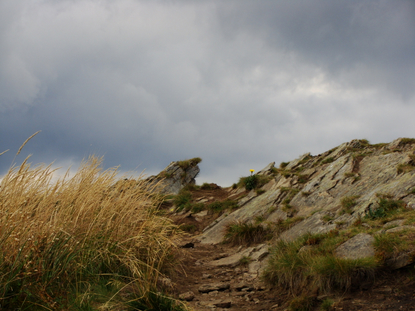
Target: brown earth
240	290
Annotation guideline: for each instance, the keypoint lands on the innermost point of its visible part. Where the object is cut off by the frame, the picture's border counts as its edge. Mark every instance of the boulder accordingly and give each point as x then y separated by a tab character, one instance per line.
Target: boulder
175	176
360	246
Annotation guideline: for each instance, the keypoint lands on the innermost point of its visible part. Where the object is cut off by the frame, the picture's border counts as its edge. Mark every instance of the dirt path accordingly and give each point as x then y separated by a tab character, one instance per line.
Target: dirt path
206	286
221	288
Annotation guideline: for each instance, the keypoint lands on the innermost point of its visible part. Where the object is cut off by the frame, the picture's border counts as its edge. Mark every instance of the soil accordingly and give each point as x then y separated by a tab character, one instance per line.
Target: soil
241	290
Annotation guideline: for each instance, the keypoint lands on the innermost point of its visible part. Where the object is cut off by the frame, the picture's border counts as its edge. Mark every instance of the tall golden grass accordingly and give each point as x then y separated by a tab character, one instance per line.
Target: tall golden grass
58	238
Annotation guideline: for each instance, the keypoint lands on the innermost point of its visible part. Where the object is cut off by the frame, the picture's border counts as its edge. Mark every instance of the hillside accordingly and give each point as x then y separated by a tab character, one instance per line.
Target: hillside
333	231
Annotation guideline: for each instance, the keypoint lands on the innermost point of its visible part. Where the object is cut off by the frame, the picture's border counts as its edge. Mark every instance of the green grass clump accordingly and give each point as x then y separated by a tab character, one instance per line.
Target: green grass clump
327	304
253	181
315	268
63	243
291	193
182	200
348	203
407	141
221	206
238	233
327	160
302	303
302	179
386	206
207	186
191	228
185	164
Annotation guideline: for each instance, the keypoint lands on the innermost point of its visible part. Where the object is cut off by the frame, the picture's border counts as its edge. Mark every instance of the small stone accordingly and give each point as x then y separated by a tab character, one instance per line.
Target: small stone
188	296
207	288
223	304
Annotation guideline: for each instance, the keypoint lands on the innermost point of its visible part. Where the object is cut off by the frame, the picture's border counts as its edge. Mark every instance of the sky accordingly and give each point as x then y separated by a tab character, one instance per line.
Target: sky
237	83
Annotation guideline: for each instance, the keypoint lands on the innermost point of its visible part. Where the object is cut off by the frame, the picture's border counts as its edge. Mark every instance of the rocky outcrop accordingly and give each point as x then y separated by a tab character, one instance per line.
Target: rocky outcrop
175	176
330	191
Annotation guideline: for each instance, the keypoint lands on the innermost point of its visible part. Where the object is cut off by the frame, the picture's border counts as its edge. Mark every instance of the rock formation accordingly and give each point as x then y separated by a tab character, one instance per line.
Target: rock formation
175	176
329	191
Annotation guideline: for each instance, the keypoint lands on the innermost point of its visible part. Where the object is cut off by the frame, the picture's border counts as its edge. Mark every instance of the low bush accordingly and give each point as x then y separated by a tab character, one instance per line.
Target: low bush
253	181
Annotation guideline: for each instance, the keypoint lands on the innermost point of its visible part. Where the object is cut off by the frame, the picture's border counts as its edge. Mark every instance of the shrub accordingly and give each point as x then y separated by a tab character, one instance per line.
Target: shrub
246	233
253	181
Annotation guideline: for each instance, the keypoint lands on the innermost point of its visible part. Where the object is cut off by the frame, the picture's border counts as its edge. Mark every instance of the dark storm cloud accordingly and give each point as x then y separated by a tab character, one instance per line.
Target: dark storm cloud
238	83
360	43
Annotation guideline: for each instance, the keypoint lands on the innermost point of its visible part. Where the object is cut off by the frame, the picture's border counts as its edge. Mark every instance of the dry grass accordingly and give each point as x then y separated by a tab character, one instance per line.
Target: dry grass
64	236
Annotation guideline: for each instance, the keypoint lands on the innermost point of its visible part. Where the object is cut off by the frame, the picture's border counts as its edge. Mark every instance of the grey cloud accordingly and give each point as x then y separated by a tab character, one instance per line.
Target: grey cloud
238	83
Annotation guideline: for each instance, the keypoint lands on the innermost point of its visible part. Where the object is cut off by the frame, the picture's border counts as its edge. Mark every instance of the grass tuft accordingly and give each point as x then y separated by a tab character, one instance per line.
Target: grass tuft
238	233
60	240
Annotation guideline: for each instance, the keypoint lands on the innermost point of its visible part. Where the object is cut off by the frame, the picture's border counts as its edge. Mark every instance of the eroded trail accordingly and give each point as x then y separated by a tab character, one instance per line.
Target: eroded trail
212	283
224	277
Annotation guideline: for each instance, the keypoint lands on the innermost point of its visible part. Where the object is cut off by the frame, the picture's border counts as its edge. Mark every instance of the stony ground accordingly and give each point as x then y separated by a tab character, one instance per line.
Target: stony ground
206	286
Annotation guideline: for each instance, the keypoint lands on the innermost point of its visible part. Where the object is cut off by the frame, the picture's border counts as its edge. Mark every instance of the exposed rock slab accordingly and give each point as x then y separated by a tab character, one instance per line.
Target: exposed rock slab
175	176
360	246
312	225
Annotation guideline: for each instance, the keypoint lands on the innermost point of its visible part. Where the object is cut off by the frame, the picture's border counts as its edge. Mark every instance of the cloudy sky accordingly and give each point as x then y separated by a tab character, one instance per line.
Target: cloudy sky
238	83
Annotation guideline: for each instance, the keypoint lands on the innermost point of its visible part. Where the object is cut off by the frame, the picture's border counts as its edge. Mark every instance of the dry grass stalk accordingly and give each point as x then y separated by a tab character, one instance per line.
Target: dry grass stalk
52	233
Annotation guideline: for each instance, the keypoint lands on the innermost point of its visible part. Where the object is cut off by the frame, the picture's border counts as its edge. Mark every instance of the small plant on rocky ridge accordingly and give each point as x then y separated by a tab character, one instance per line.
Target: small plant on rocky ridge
185	164
386	206
253	181
348	203
206	186
221	206
327	160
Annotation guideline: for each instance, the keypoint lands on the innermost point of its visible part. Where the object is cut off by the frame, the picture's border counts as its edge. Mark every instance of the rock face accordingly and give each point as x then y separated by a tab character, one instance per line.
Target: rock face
329	191
360	246
175	176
